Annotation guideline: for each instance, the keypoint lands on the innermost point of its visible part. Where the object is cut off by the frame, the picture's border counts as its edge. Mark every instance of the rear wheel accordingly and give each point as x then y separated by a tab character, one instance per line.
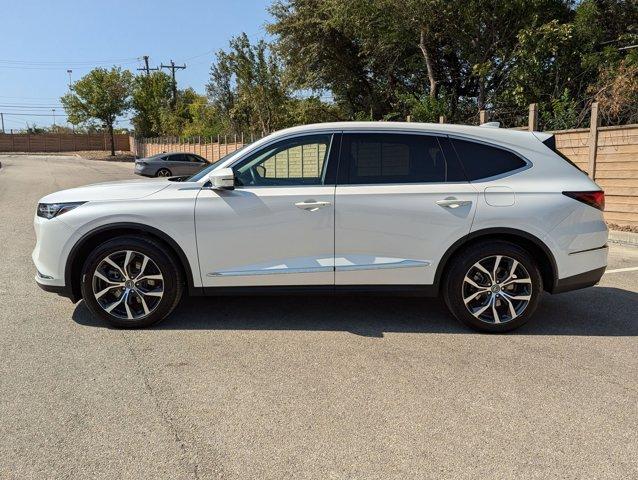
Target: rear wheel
493	286
131	282
163	172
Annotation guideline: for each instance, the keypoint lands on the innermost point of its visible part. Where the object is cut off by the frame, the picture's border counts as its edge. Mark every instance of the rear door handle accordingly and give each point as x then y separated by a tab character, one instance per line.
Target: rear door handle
311	205
453	202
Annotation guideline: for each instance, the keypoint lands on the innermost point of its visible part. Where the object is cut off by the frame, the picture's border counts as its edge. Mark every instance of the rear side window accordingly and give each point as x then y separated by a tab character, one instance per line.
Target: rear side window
396	158
483	161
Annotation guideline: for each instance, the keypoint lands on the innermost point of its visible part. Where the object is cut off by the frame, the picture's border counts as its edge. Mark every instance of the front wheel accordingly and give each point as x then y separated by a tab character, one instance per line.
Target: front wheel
131	282
493	286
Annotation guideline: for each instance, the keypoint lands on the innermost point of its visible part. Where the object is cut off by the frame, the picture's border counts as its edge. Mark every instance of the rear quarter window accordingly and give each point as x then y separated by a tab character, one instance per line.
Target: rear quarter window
483	161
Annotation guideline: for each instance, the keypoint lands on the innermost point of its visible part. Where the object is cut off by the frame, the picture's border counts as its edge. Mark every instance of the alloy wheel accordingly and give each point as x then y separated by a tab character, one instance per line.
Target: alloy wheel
128	285
497	289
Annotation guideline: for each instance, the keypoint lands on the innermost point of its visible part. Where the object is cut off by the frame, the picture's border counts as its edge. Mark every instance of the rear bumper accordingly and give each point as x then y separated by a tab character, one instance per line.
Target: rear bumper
144	170
581	280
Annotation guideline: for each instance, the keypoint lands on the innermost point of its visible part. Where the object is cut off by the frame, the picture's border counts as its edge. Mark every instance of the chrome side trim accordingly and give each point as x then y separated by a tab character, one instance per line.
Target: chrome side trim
379	266
269	271
327	267
588	250
43	276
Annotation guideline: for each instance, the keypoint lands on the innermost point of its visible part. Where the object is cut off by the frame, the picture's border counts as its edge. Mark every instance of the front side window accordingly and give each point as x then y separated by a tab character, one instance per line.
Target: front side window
484	161
296	161
372	158
214	164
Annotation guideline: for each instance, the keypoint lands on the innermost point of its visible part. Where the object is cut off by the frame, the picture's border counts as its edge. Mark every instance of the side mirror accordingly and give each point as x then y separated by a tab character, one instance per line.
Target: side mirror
222	179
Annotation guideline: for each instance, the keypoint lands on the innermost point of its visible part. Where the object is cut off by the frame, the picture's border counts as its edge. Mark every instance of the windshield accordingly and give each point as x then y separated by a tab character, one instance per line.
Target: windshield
202	173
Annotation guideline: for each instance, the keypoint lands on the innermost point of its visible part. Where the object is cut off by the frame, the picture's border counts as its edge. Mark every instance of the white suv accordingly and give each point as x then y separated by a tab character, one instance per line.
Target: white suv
489	218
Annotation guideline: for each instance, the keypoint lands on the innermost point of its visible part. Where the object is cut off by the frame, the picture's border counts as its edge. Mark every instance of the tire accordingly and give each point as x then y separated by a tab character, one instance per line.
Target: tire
163	172
151	282
512	299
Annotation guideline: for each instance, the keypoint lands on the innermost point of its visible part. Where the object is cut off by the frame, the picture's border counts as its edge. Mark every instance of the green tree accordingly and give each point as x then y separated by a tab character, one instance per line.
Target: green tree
302	111
151	98
328	45
246	85
382	58
204	118
101	95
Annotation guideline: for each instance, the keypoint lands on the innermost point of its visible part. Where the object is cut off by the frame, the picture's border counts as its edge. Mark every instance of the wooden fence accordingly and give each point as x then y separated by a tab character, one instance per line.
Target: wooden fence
209	148
610	156
63	142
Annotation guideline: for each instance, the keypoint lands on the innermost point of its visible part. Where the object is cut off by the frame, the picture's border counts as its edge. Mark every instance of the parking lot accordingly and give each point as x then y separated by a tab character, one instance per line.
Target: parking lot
317	387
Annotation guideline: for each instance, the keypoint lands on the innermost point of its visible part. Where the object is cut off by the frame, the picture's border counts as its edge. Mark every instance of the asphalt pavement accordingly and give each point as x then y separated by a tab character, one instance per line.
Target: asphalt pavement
296	388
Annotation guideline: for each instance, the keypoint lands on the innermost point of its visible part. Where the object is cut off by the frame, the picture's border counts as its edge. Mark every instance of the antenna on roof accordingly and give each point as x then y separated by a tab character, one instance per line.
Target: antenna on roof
491	125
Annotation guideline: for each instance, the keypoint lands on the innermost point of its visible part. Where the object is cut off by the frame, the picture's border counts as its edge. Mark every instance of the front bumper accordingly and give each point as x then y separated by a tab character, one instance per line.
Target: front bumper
53	242
61	290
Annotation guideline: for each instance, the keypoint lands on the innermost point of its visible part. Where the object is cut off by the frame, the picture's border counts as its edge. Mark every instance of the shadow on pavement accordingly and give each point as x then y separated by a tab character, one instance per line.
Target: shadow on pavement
600	311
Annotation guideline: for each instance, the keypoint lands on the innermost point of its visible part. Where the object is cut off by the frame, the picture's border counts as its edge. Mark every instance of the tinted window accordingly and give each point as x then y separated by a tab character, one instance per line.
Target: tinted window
194	158
297	161
483	161
397	158
176	157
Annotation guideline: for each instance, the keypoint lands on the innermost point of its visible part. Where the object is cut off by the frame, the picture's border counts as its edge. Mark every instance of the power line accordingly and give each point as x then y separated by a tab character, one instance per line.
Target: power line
22	114
200	55
62	66
30	98
8	105
69	62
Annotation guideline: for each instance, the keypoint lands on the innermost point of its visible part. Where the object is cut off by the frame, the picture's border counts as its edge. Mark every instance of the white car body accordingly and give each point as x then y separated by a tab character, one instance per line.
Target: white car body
392	237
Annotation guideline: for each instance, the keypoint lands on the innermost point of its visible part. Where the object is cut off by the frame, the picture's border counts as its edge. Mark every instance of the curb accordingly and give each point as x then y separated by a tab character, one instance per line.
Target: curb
628	238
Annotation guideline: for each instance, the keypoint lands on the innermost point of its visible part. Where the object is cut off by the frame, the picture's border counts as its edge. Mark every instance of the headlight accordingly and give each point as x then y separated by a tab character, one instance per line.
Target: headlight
50	210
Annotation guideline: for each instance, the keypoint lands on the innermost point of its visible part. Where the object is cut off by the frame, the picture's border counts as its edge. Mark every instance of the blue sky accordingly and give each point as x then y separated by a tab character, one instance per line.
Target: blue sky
42	39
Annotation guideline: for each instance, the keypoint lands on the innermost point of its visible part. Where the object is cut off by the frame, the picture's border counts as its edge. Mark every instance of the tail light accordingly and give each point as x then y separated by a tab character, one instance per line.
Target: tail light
593	199
139	162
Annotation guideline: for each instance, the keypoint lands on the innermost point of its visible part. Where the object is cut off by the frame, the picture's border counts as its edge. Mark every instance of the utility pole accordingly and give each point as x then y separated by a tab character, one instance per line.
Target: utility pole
53	110
146	68
2	118
172	67
69	71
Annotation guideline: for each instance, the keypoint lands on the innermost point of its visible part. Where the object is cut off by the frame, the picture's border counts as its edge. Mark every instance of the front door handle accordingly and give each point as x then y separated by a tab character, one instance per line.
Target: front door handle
311	205
452	202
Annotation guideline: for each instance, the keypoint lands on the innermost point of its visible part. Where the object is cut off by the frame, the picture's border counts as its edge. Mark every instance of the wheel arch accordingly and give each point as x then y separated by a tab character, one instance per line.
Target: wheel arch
95	237
534	245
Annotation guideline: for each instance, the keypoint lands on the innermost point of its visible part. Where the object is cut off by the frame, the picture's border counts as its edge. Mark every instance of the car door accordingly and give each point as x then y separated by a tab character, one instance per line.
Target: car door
174	162
401	200
276	227
194	163
182	164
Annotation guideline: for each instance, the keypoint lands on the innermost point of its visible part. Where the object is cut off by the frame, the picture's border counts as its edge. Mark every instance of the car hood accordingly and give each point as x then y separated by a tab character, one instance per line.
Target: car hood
120	190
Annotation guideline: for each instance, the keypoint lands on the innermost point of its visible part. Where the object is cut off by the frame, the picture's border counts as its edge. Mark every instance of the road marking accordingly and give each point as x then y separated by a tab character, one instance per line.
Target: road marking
618	270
